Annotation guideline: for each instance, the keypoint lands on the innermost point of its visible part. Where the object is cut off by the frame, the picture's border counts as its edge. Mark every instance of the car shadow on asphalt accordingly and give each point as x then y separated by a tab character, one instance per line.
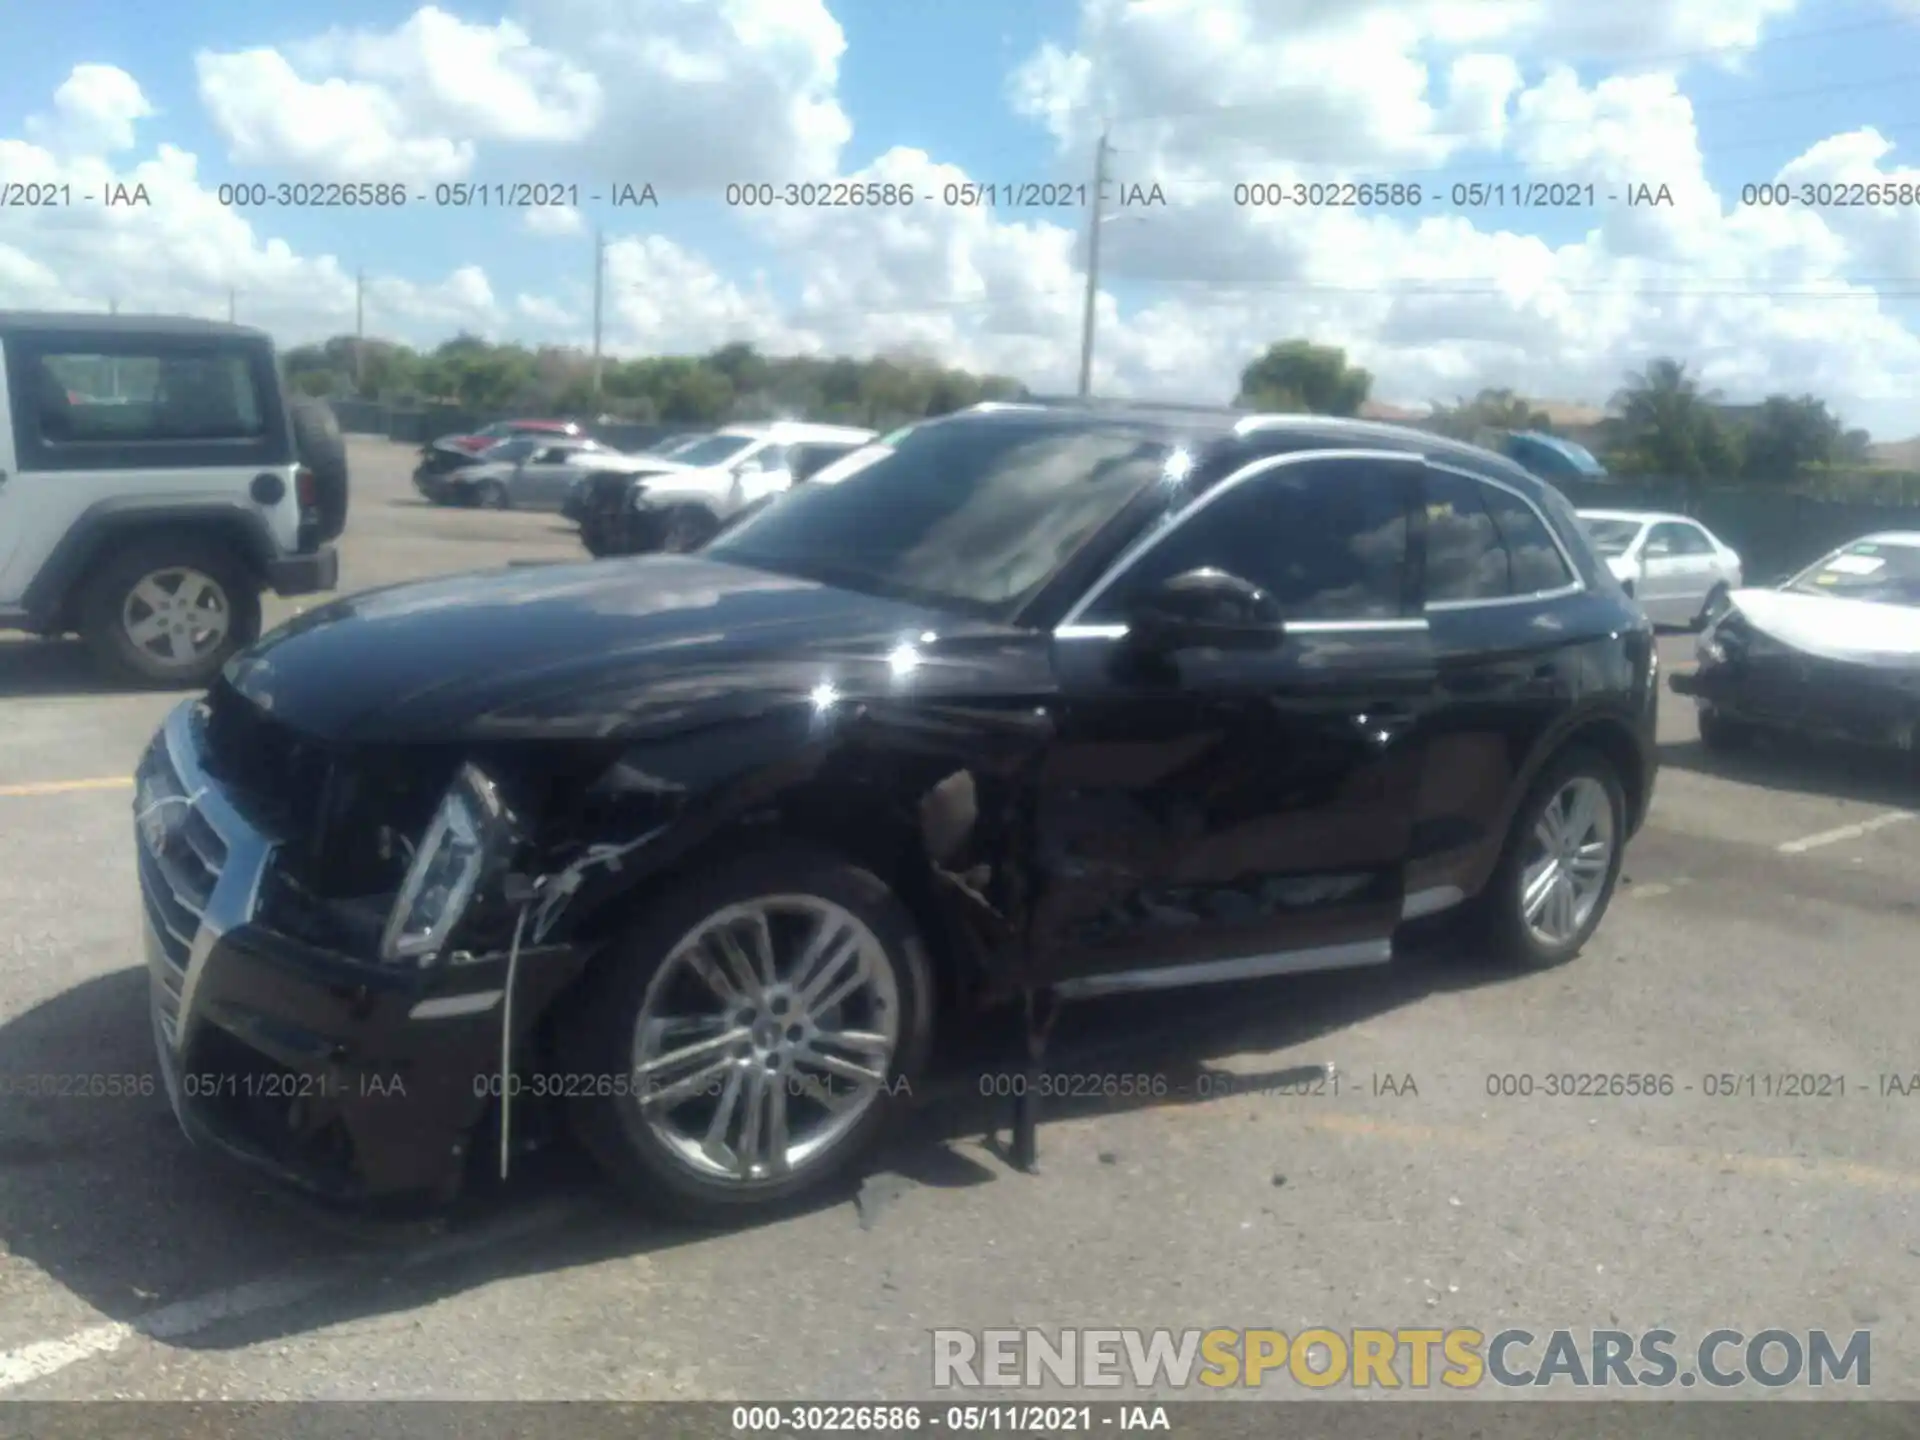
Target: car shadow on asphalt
101	1192
1837	772
32	668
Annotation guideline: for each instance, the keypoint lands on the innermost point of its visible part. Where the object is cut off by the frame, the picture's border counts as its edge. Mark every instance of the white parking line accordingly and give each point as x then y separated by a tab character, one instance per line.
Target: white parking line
1845	832
36	1361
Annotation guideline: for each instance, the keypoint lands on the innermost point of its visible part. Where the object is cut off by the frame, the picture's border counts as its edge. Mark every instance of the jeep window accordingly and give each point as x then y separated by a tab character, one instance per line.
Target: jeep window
966	516
1327	539
143	398
713	449
1465	559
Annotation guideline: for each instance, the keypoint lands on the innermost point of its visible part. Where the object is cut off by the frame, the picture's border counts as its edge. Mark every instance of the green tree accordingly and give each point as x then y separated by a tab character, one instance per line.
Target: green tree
1789	435
1297	375
1669	427
1489	410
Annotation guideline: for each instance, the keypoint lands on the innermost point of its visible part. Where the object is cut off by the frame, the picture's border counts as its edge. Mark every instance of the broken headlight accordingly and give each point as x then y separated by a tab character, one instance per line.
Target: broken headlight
460	842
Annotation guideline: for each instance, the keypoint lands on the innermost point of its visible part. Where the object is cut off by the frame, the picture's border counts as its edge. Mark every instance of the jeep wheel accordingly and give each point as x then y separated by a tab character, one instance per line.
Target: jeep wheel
687	527
168	614
759	1023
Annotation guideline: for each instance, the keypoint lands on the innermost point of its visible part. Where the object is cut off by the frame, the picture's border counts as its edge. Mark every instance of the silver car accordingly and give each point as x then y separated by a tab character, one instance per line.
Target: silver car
526	473
1679	571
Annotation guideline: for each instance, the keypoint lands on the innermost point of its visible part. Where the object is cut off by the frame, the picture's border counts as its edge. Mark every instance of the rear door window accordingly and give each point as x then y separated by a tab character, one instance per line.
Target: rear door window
83	397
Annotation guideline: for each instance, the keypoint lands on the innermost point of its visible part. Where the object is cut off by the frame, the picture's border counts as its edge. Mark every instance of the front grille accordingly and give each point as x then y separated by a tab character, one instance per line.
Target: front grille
282	773
180	859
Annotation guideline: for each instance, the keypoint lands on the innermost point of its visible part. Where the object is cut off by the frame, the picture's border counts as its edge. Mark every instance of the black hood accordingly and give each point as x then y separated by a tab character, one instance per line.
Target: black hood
604	649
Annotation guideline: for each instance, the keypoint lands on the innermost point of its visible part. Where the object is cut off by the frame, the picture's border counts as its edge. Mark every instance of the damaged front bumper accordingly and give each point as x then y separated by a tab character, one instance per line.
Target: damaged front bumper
353	1081
1821	699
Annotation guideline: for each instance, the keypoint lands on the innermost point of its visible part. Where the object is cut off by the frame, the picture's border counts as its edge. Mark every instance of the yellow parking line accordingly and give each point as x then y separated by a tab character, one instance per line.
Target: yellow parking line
65	787
1774	1167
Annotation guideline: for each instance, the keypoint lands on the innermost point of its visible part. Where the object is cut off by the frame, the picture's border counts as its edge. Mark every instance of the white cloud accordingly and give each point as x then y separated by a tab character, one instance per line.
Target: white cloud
618	86
333	129
663	299
94	112
558	220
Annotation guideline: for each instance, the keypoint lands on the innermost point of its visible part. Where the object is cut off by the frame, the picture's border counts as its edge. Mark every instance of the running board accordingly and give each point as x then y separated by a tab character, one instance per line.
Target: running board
1214	972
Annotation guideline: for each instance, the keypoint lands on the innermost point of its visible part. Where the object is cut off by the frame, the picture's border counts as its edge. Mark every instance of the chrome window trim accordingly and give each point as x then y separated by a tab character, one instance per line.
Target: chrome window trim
1070	626
1578	586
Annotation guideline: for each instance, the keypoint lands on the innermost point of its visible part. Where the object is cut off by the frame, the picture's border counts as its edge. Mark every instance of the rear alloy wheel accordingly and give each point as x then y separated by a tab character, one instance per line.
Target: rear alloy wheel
168	616
1561	865
761	1033
687	527
492	495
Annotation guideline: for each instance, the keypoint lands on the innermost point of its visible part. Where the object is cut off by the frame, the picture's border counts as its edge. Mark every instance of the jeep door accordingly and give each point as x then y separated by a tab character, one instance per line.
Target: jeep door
109	424
1208	815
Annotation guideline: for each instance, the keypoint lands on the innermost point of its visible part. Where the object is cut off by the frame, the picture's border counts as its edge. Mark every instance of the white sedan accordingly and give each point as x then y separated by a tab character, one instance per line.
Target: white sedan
1679	571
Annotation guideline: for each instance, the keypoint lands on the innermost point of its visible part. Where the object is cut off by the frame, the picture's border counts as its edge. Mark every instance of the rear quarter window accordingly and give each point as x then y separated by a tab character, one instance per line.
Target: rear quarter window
84	397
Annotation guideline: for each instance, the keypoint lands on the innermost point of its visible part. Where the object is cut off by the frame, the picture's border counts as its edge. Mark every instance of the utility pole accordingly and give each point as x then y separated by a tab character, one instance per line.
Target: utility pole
359	331
113	306
1094	202
232	298
599	300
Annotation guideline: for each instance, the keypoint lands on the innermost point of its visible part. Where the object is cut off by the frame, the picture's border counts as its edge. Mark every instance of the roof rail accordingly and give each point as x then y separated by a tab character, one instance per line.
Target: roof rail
1095	402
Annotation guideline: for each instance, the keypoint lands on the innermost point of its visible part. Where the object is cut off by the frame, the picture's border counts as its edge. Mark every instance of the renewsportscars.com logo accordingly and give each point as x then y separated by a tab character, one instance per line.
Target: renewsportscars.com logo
1380	1359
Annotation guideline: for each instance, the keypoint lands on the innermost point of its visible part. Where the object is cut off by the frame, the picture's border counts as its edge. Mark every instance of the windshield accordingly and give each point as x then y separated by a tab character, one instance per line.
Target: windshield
1865	570
712	449
1611	537
973	517
674	445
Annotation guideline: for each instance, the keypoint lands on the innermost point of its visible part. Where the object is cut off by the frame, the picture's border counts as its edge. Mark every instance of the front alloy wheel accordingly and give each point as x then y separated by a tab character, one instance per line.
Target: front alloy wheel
760	1027
764	1038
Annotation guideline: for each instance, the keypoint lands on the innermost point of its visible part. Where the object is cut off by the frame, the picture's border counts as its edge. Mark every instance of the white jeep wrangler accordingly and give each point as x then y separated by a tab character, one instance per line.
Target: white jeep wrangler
155	480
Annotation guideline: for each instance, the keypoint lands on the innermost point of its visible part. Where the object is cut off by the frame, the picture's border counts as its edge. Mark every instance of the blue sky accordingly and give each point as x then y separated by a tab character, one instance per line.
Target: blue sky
935	76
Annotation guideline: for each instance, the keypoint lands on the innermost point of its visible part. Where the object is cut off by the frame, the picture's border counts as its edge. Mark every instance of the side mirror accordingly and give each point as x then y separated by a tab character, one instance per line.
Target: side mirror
1207	609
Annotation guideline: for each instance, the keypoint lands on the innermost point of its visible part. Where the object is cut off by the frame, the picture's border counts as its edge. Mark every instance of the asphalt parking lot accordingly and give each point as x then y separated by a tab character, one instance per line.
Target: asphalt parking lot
1766	929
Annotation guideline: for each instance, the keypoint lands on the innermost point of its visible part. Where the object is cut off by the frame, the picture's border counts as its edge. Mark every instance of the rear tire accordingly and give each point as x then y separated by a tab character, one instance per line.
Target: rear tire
668	1155
1562	860
166	613
318	443
493	496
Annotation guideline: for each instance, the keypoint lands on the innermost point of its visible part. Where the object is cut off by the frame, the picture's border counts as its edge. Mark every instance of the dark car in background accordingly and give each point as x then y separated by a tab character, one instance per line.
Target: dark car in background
1833	653
1027	701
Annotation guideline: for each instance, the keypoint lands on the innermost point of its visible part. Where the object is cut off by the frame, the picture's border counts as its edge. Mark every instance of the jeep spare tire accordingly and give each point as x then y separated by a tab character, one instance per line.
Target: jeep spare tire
318	444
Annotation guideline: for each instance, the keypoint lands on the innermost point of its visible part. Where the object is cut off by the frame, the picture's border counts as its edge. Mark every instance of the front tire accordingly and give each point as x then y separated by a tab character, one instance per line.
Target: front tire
1561	864
764	1018
167	614
493	496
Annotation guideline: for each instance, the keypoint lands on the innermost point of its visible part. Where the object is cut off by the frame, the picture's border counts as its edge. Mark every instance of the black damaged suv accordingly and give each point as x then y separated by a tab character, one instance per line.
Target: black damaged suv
700	850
